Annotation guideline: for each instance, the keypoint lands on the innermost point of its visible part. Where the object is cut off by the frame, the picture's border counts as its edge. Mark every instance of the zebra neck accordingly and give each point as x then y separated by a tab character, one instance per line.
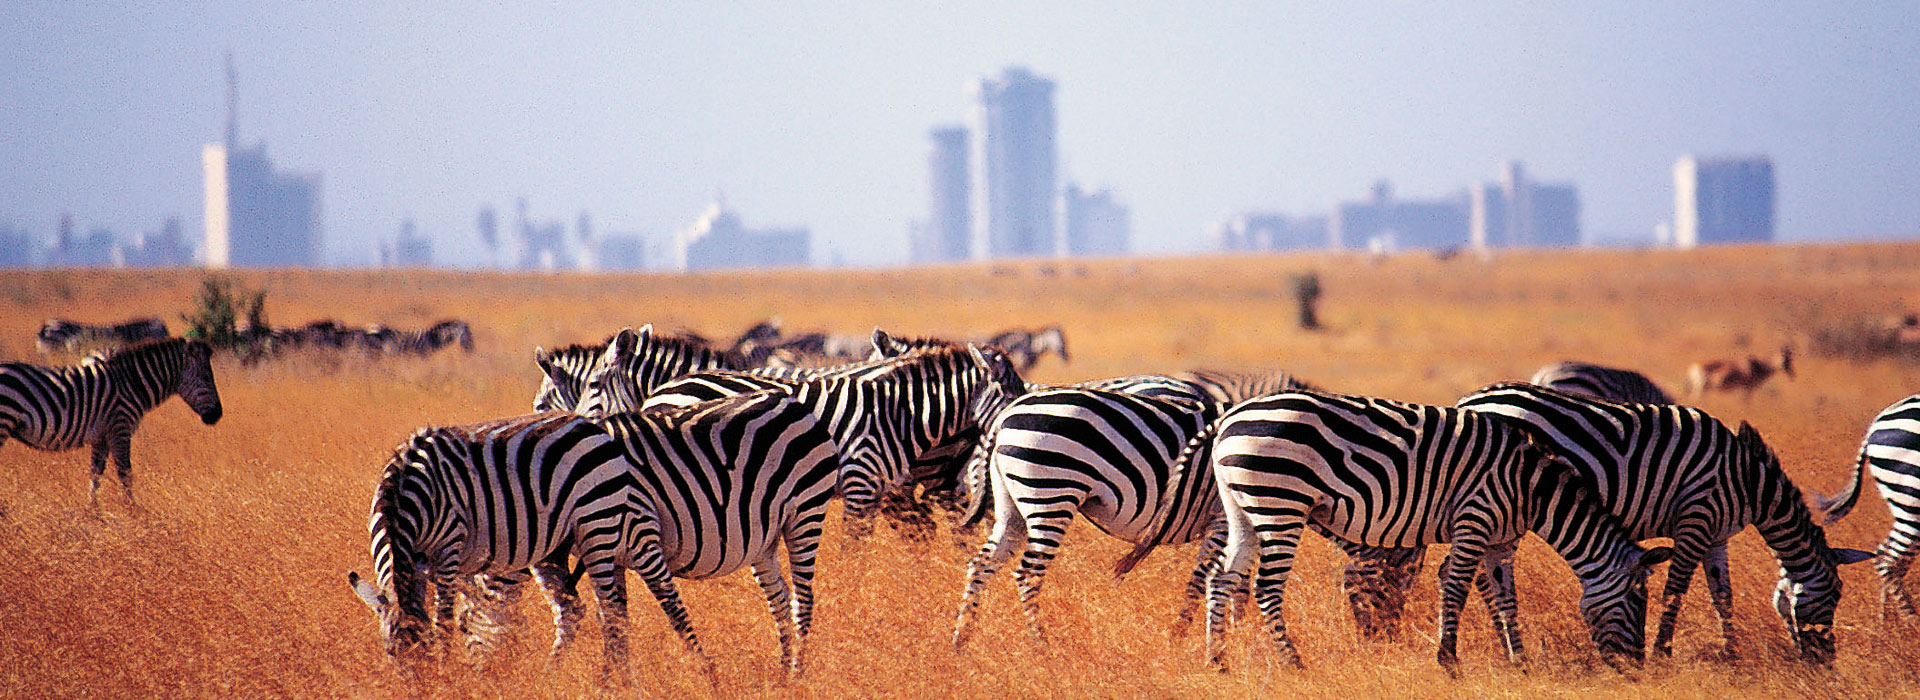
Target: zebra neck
144	381
1787	527
1568	515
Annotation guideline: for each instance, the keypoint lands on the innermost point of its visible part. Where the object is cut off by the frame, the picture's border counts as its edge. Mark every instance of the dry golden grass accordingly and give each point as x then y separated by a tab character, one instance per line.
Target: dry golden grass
232	582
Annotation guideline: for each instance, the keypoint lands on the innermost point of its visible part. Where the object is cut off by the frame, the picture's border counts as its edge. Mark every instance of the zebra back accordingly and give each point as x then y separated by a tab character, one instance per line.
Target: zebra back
1601	382
1228	387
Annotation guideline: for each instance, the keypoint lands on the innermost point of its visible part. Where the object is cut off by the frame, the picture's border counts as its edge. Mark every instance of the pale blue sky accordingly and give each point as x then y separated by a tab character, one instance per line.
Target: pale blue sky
816	114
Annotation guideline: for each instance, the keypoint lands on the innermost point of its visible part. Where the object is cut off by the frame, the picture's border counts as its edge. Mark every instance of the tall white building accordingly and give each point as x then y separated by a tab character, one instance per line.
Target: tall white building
1518	212
256	215
1722	200
1017	161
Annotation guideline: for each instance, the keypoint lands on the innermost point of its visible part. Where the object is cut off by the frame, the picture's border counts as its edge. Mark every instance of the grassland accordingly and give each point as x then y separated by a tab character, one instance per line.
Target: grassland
231	583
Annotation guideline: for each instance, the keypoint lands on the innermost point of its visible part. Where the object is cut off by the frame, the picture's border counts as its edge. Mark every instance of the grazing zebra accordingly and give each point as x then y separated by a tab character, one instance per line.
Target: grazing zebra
655	360
1891	452
1674	471
60	334
897	416
495	499
1390	474
1102	454
1737	375
1025	347
100	402
1601	383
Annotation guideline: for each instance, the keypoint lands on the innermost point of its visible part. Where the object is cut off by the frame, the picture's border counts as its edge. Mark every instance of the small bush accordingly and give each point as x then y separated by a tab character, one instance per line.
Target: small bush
216	318
1867	338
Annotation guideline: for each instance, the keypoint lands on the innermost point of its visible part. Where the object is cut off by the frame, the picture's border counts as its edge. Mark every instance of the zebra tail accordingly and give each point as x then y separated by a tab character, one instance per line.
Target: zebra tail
1840	504
977	481
1198	451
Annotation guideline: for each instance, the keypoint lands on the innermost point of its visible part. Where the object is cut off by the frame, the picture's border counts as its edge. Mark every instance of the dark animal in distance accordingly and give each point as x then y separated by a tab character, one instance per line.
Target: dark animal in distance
61	334
1737	375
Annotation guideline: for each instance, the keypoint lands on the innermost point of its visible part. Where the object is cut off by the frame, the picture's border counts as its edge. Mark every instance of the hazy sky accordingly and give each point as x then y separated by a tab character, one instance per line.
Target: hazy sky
816	114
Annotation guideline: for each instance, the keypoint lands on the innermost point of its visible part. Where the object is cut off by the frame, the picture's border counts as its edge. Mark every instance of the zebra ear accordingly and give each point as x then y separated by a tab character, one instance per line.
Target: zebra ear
884	344
645	333
625	343
1848	555
1749	434
361	588
999	369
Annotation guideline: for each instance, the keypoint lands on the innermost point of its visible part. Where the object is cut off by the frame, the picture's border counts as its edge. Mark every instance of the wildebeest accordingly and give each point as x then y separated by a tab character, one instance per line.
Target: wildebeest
61	334
1737	375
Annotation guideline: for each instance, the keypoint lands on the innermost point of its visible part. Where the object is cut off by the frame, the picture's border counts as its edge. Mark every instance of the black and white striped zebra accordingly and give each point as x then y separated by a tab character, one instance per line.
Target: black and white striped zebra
1389	474
655	360
1601	382
1674	471
898	417
61	334
100	402
488	499
1025	347
1229	387
1891	453
1105	455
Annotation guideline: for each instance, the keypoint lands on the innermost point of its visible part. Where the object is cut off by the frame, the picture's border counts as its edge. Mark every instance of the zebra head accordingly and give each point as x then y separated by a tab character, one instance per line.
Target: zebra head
1612	569
609	386
403	627
564	375
1809	587
196	382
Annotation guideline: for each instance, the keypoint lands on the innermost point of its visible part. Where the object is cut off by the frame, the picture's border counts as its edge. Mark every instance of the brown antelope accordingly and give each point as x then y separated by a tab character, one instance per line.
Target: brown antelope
1742	375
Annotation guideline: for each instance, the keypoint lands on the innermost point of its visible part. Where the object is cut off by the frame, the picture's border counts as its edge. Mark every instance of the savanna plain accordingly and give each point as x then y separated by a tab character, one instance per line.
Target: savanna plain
230	580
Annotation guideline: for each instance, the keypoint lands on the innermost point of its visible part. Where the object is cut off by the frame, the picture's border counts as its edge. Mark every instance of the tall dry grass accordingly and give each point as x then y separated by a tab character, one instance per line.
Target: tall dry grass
231	583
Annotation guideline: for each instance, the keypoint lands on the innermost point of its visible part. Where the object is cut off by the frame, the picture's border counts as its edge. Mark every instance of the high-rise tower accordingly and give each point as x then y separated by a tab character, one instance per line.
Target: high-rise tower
1017	164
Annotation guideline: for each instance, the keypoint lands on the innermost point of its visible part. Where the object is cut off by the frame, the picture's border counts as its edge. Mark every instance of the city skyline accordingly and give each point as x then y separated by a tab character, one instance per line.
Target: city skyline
424	113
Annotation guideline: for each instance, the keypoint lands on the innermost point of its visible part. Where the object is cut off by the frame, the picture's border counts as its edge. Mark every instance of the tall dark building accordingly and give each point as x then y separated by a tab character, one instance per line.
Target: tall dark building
1017	164
256	215
1722	200
947	234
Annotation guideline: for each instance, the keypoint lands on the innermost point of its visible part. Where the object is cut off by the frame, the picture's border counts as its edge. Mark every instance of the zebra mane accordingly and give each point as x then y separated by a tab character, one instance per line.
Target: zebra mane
121	357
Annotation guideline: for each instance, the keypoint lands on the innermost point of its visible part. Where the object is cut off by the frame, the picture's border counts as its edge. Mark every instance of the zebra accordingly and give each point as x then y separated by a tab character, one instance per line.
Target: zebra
1891	453
903	416
99	403
1601	383
656	359
1026	347
61	334
492	500
1389	474
1102	454
1229	387
1675	471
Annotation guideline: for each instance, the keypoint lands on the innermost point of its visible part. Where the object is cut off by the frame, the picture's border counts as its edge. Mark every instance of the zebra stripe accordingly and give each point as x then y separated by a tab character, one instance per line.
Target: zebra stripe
1390	474
100	402
1601	383
60	334
1229	387
490	498
655	360
1105	455
1674	471
1891	452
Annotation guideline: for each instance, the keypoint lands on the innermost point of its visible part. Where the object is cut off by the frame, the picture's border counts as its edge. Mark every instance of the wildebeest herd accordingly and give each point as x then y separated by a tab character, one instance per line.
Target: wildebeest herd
679	458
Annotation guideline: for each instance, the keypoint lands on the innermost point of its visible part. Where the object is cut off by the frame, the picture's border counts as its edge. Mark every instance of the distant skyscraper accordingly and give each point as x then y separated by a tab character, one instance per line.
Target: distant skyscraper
1096	225
1517	212
1722	200
1258	231
409	249
720	241
1017	164
947	234
1385	223
256	216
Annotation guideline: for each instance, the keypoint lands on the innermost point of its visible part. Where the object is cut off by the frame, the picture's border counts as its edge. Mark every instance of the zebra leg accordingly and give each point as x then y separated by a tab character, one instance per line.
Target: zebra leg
1279	539
1376	581
1891	562
446	602
1008	536
651	565
1463	560
803	549
1229	576
1044	534
1204	565
1720	587
558	584
1495	585
492	614
1688	549
774	587
122	448
93	477
610	591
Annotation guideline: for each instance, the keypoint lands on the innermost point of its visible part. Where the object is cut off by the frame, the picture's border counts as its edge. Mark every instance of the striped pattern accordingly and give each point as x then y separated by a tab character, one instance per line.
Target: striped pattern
1389	474
653	360
100	402
60	334
1601	382
1891	453
1104	455
1674	471
1228	387
490	498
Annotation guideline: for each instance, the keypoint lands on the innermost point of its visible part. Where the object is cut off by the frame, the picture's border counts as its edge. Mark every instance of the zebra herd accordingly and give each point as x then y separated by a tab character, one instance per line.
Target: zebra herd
659	454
